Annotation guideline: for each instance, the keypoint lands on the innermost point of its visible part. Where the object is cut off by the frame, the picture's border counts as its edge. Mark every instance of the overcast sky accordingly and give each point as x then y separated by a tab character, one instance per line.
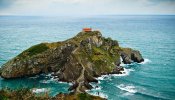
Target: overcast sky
86	7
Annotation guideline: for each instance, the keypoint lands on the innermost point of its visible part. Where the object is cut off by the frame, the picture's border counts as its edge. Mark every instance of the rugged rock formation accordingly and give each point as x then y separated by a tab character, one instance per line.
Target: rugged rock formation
77	60
129	55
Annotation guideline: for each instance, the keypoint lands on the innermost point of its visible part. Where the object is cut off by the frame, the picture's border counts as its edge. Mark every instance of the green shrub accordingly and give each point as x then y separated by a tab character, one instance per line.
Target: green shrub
39	48
84	96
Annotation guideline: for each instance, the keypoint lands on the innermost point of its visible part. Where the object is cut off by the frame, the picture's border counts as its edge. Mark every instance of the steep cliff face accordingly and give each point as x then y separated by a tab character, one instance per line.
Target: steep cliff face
27	64
77	60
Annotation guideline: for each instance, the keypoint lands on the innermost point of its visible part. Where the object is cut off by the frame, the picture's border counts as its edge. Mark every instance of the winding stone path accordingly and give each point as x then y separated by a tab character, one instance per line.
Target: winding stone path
81	79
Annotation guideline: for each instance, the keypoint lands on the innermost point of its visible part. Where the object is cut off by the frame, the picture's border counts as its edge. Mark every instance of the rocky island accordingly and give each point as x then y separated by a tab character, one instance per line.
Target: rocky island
78	60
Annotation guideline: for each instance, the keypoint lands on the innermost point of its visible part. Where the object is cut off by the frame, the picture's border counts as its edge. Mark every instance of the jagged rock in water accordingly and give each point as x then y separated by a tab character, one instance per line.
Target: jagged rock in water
129	55
117	70
77	60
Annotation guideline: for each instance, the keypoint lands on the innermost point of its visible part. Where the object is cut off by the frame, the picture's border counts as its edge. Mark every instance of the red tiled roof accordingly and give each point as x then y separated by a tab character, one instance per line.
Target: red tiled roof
87	29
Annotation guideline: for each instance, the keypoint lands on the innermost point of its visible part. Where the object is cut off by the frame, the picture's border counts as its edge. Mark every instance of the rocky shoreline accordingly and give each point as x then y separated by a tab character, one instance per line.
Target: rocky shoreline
77	60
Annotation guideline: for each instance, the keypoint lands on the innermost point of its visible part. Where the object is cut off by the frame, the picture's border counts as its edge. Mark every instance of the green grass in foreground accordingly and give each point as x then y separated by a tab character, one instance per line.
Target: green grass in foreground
27	94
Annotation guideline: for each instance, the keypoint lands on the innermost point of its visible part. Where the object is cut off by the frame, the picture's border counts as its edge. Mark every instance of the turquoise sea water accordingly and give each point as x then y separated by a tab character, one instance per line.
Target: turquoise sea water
154	36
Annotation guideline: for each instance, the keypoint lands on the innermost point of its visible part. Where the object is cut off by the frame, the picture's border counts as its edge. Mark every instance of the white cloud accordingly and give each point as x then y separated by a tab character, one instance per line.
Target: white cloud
89	7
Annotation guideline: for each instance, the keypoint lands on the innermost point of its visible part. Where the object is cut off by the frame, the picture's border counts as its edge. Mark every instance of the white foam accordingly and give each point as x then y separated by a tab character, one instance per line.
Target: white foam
52	79
145	61
49	75
41	90
34	77
96	88
126	72
101	94
128	88
121	60
122	64
103	77
64	82
44	81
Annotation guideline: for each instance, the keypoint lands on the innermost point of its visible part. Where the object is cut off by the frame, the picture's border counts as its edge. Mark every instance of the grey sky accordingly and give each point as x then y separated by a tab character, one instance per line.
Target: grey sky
85	7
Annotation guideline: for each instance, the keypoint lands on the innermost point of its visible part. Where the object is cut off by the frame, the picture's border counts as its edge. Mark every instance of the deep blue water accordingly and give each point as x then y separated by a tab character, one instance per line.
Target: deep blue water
154	36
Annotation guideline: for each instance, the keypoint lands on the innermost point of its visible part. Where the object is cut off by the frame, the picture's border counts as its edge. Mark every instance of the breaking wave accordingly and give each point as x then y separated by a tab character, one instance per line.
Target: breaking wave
41	90
101	94
145	61
126	72
51	80
97	91
95	87
127	88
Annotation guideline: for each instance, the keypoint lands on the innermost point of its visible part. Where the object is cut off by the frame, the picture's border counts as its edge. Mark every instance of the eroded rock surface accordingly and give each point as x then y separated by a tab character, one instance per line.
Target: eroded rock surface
129	55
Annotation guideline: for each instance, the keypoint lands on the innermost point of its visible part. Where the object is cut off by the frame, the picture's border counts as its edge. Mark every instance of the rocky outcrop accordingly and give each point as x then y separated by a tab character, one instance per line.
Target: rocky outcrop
117	70
77	60
129	55
47	61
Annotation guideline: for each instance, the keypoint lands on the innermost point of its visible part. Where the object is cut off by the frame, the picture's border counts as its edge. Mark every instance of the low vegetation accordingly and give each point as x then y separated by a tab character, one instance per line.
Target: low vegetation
21	94
27	94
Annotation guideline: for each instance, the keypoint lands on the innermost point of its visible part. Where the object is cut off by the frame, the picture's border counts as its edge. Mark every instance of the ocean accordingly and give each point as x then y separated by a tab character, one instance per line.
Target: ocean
153	35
